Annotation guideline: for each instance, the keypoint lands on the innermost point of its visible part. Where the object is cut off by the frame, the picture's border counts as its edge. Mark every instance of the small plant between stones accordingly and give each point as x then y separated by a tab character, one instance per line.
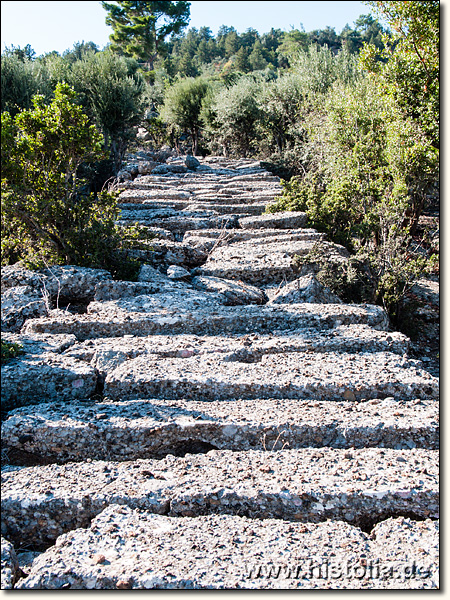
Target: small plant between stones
10	350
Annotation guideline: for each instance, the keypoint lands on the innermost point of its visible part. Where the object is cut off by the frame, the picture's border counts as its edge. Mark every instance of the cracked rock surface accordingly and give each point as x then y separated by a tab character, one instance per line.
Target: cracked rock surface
132	549
131	429
224	422
360	486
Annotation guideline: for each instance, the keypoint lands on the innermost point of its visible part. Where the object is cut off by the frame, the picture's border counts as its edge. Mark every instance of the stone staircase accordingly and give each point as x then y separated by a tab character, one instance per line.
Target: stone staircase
222	423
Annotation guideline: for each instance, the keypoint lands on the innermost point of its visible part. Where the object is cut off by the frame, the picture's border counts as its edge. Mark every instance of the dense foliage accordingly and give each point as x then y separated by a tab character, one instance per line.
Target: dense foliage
350	121
200	52
140	28
409	70
48	214
183	105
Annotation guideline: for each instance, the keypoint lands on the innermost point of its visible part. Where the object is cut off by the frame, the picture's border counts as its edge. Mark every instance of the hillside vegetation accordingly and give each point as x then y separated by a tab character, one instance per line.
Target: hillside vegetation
350	122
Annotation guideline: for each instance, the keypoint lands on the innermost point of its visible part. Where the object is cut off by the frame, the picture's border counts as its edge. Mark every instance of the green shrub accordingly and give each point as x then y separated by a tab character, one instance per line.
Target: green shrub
10	350
366	190
18	84
112	94
372	166
183	105
48	214
318	68
236	113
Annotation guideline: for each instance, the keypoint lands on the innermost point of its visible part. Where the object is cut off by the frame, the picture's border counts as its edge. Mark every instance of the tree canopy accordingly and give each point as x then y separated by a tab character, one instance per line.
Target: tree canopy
410	61
140	28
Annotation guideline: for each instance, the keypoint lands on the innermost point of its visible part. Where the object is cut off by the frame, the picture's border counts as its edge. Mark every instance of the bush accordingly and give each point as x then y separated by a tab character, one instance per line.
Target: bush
293	106
183	105
234	118
10	350
48	214
318	68
372	164
113	96
282	103
18	84
366	189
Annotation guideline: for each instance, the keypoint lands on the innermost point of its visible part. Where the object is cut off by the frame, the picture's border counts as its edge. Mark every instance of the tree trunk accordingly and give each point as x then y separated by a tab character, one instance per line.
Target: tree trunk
194	134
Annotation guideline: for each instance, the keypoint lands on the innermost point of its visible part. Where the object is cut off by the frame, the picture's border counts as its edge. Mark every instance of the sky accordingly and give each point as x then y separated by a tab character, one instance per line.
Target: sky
49	26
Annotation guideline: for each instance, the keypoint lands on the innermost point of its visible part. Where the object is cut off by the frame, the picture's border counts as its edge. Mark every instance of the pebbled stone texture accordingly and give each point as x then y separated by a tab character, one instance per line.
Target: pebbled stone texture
263	262
124	317
246	347
304	289
313	376
20	303
314	414
131	549
281	220
360	486
39	378
127	430
10	565
232	292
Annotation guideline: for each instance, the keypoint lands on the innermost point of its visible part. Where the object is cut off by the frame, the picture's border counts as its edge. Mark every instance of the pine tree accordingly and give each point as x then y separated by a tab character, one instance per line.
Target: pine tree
140	28
256	58
241	61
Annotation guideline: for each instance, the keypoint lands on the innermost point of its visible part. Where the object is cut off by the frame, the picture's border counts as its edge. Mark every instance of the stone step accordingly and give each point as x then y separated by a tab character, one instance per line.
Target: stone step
145	214
183	222
73	431
310	485
131	549
250	208
330	376
197	183
261	262
151	210
208	240
281	220
31	379
240	235
132	317
142	194
56	374
256	178
235	194
166	252
250	348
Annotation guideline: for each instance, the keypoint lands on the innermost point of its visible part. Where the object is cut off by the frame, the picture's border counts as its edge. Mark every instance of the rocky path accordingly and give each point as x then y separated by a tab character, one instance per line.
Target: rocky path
225	422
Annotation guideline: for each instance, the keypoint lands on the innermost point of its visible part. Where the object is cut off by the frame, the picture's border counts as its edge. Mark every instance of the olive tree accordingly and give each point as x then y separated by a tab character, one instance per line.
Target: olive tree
113	95
236	116
183	105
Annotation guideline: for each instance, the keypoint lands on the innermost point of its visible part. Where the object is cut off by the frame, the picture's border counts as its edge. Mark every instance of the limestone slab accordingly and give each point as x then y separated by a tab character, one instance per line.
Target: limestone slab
31	379
128	430
116	319
131	549
262	262
307	376
245	347
361	487
281	220
10	572
38	343
233	292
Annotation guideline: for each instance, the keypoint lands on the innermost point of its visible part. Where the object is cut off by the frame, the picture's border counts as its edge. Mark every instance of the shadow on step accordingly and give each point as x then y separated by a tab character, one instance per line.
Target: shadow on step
368	523
17	457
